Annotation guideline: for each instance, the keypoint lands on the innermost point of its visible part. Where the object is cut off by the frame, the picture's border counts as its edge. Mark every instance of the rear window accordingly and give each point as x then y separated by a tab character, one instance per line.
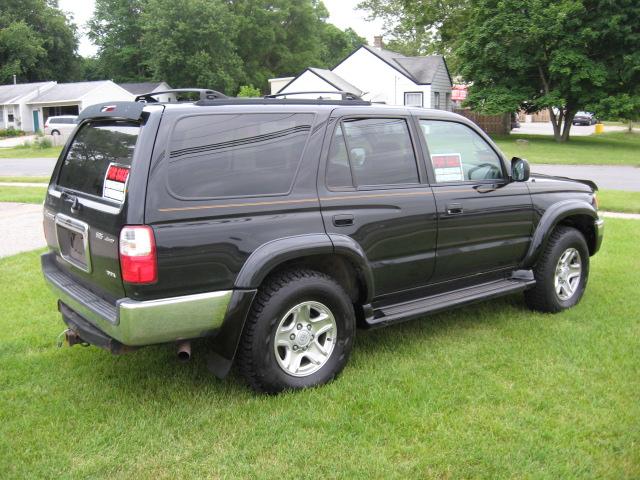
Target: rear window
230	155
96	147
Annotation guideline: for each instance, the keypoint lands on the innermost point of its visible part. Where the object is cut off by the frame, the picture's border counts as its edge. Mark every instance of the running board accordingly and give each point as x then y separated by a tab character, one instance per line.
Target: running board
401	312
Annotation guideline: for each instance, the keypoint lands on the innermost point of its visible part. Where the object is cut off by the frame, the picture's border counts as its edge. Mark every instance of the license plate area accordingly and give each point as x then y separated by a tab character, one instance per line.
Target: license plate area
73	242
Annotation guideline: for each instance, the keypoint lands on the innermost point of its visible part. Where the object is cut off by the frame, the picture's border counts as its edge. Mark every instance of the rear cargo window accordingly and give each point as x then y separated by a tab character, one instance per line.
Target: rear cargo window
97	147
236	155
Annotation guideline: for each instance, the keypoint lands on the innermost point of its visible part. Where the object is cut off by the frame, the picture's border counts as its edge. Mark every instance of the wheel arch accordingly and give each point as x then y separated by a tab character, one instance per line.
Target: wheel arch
572	213
339	256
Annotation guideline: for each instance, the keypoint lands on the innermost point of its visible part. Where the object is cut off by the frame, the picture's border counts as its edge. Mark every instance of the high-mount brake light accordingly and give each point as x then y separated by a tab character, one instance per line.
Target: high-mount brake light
138	255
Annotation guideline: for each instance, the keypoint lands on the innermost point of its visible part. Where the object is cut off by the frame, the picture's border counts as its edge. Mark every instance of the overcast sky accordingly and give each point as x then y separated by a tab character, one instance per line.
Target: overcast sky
342	14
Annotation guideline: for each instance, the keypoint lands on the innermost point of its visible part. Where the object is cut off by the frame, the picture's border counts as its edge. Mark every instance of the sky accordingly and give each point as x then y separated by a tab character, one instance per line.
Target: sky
342	13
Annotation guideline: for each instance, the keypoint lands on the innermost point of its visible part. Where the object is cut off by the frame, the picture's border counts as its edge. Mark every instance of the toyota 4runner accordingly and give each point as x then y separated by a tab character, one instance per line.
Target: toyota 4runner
274	226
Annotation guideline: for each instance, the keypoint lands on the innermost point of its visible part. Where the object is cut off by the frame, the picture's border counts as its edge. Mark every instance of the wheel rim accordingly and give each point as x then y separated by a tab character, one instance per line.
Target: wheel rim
568	274
305	338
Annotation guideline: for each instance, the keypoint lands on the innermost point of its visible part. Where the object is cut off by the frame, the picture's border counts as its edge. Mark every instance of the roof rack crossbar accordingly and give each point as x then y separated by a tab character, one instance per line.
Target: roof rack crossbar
343	94
205	94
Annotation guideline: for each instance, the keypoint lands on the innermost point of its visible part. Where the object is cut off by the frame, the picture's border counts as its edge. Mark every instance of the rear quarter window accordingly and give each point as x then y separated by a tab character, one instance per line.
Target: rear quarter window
95	147
232	155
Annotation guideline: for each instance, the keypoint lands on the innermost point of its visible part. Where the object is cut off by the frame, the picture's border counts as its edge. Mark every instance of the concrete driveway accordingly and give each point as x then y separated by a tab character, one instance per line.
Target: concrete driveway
21	228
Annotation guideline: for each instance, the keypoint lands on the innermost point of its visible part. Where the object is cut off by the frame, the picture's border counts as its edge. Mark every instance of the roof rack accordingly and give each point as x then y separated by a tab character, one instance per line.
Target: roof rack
205	94
343	94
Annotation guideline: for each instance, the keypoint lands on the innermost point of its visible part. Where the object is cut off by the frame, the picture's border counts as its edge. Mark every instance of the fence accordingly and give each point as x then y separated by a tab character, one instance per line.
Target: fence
492	124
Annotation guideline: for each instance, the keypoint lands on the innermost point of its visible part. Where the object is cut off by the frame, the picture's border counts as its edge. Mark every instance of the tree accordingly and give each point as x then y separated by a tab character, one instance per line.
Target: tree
37	42
559	55
192	43
116	29
422	27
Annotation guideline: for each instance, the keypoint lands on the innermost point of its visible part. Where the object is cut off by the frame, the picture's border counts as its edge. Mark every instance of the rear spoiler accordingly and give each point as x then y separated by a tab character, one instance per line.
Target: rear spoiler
118	110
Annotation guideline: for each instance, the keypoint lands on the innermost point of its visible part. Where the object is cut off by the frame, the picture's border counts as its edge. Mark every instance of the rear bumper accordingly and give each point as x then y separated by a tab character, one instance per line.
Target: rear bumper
130	322
599	229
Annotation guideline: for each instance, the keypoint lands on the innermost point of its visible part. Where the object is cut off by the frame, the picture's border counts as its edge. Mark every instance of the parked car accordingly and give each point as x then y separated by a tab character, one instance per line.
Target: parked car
276	226
585	118
61	125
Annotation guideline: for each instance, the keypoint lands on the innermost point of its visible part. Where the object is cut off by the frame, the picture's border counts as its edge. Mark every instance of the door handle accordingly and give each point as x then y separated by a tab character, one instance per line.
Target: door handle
343	220
454	209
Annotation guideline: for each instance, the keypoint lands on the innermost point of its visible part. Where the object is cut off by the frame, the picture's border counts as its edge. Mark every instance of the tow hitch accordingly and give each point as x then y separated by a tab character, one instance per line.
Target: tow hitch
71	338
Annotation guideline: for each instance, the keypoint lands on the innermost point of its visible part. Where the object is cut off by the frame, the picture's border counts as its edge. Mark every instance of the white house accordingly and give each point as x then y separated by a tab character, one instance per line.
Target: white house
383	76
71	99
14	112
149	87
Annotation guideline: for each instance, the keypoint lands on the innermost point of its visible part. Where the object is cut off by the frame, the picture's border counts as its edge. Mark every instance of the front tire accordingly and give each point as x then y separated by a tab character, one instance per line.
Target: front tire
561	273
299	332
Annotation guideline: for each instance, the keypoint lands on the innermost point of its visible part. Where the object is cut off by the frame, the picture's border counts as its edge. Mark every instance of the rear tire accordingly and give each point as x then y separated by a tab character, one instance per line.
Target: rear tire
561	272
299	332
55	132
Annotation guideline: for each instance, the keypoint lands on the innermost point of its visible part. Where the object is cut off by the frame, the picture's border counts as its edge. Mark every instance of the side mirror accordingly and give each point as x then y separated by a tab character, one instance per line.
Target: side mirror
520	170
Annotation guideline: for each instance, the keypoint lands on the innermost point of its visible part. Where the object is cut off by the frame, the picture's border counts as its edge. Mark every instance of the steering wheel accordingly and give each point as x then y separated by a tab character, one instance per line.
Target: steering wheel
494	171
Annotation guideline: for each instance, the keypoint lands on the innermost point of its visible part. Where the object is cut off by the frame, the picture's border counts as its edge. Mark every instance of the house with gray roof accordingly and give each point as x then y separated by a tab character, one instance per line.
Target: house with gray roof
14	112
383	76
71	99
141	88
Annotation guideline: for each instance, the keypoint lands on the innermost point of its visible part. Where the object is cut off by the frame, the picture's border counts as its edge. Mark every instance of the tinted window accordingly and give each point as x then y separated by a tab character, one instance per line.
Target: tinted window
380	151
94	148
338	170
236	155
458	153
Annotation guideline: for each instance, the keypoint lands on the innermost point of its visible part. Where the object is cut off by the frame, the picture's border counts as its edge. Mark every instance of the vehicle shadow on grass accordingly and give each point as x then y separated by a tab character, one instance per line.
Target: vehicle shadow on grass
157	368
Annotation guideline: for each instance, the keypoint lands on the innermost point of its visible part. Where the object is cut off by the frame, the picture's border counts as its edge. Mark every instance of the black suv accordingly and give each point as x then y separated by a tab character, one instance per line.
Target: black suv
275	226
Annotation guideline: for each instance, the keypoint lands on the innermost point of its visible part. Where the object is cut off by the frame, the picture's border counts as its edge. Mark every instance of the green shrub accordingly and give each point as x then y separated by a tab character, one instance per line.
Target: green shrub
249	91
11	132
43	142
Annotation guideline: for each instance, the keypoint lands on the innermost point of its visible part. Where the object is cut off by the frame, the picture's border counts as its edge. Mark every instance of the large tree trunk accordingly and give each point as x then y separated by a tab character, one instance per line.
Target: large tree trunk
555	123
568	122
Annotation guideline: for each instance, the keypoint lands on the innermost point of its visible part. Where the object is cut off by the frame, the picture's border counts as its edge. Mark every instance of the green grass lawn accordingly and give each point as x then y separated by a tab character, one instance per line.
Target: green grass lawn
44	180
489	391
30	152
22	194
616	148
619	201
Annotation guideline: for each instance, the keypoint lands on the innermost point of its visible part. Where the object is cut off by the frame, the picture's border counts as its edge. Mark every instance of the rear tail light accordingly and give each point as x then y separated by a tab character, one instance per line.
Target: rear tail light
138	255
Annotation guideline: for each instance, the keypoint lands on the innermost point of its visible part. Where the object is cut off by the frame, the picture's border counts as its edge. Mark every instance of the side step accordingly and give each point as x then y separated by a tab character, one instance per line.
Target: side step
417	308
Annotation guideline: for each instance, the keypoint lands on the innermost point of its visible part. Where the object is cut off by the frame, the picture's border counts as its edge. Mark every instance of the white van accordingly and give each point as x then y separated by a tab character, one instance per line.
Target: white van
62	125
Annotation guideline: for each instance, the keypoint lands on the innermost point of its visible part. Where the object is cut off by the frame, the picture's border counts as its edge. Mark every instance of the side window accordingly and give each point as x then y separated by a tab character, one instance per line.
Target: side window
458	153
230	155
338	169
380	151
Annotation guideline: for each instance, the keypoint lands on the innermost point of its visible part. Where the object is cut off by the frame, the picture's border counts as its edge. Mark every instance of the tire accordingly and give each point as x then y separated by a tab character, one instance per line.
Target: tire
565	250
55	132
292	304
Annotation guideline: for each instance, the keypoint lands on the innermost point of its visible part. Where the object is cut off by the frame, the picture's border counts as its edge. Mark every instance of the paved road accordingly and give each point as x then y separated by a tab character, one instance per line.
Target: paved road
21	228
606	177
27	167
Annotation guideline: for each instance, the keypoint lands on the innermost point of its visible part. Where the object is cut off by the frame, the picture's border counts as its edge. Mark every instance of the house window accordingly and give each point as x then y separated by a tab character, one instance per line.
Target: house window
10	117
436	100
413	99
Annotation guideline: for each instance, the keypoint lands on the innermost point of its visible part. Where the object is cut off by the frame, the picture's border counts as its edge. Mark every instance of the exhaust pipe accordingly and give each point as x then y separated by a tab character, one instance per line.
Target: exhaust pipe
184	351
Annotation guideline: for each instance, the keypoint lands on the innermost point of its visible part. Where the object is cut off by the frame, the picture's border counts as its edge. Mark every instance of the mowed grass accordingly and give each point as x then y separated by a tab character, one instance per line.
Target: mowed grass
614	148
23	194
25	179
619	201
30	152
489	391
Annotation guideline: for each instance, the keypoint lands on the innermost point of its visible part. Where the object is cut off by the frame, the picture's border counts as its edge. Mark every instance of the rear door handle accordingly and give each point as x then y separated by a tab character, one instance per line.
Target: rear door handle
343	220
454	209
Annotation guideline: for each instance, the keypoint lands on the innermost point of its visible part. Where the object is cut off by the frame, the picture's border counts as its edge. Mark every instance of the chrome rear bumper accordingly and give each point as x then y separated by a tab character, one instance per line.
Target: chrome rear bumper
138	323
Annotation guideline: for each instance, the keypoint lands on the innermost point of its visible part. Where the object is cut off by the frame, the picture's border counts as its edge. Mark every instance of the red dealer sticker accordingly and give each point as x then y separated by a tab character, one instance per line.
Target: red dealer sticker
115	182
447	167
